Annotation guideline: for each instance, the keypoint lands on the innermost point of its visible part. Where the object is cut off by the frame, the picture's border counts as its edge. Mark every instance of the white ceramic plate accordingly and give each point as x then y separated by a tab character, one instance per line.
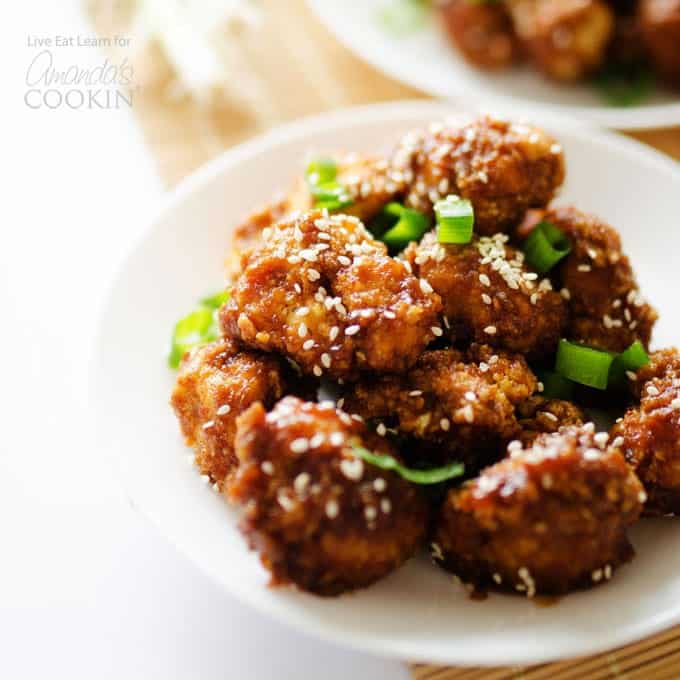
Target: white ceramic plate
417	613
428	61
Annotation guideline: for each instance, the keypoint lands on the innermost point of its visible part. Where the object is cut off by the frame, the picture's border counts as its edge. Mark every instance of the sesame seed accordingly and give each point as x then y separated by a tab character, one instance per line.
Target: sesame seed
607	571
497	578
425	287
601	438
631	375
386	505
652	391
297	288
299	445
470	396
675	404
565	293
267	467
207	425
316	441
352	330
313	275
618	442
584	268
284	501
483	366
468	413
341	402
486	299
302	311
388	314
596	575
223	410
332	509
370	513
445	424
415	393
436	551
490	330
301	482
379	484
438	332
344	260
302	330
317	371
333	333
484	280
381	429
642	497
337	439
308	344
326	360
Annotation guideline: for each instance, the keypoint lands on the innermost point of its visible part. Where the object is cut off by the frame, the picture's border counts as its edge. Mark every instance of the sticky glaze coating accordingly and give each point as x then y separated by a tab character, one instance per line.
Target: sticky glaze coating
606	308
649	433
321	291
539	415
489	294
547	520
317	515
454	406
660	28
503	168
483	32
565	39
215	384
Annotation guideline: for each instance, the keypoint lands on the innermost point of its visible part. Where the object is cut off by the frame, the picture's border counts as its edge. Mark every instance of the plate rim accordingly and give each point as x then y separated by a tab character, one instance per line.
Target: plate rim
618	118
402	110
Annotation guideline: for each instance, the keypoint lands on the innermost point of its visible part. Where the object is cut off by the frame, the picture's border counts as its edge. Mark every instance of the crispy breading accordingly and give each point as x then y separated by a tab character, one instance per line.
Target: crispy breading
452	405
566	39
482	31
539	415
490	295
547	520
215	384
503	168
324	293
606	308
649	433
318	515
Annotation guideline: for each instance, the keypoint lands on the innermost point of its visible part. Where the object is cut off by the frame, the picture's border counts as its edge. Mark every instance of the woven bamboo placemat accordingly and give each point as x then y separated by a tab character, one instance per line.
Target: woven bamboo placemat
291	67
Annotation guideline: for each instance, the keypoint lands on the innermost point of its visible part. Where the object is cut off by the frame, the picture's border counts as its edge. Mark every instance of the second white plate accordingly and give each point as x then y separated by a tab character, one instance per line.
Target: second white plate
428	61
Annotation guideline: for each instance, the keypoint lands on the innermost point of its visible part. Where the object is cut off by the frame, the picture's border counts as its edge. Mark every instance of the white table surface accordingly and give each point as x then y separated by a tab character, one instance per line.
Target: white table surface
89	589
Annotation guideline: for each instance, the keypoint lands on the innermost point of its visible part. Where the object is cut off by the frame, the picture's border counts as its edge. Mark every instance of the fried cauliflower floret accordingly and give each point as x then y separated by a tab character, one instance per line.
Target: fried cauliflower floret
660	27
319	516
215	384
566	39
324	293
606	309
503	168
483	32
369	182
539	415
547	520
649	434
489	295
453	406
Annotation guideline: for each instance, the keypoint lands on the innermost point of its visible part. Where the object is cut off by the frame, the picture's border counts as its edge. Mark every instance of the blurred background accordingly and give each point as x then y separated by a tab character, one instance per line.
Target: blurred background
89	589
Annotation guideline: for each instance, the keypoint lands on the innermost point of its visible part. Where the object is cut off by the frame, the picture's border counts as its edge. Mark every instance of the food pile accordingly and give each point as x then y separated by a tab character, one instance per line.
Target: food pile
624	42
463	326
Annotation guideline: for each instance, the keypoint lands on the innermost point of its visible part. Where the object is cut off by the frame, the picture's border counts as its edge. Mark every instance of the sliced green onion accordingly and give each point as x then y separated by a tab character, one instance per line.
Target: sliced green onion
555	386
321	170
545	246
410	226
633	358
625	84
455	219
197	328
432	476
403	17
327	193
583	364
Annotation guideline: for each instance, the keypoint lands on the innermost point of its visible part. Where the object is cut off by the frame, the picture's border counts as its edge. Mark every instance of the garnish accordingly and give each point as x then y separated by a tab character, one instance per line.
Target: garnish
431	476
403	17
555	386
328	193
625	84
633	358
584	365
197	328
545	246
455	219
410	226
